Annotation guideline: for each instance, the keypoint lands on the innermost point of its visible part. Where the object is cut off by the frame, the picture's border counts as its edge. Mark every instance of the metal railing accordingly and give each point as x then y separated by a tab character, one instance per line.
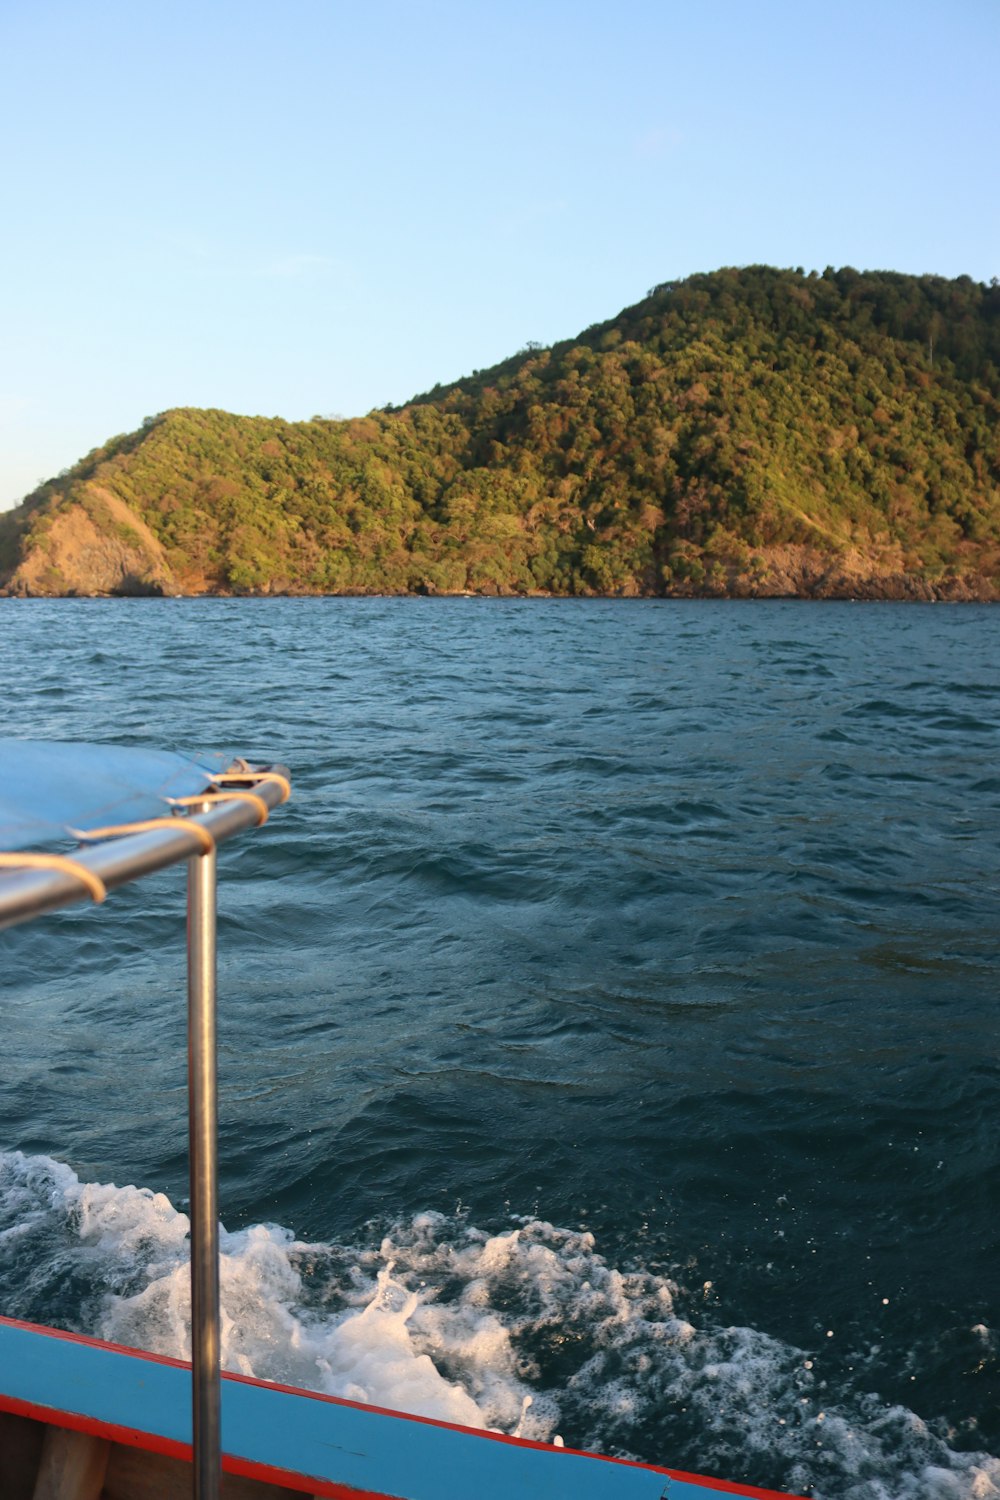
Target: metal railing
26	894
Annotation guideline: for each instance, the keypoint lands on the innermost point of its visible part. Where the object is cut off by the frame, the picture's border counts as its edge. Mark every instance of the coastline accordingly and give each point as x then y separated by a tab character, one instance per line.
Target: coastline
914	591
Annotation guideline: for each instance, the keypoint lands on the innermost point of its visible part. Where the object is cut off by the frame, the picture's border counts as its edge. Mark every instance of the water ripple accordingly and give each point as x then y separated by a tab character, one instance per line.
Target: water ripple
673	921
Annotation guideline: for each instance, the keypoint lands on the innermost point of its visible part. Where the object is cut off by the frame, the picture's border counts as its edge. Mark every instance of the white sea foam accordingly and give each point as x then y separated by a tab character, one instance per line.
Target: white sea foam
444	1320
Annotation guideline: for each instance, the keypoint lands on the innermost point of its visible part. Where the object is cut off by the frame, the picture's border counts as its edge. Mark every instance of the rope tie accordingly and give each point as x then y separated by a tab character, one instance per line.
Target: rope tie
188	825
229	778
213	797
94	884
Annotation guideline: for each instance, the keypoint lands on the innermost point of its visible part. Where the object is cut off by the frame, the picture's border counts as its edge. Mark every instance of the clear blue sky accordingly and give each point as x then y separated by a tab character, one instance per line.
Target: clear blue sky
323	207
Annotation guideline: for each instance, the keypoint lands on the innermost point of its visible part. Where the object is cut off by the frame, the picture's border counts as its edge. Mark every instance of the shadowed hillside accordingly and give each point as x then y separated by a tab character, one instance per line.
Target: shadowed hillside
748	432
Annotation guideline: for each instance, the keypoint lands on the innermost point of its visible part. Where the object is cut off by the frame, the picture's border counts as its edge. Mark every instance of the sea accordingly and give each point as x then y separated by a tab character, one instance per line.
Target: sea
608	1025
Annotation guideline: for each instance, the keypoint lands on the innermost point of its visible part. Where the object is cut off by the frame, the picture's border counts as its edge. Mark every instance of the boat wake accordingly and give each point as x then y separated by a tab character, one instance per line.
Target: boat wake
526	1331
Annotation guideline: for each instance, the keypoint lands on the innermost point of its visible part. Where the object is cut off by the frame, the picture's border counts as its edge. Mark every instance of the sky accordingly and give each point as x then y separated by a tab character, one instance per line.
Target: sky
321	207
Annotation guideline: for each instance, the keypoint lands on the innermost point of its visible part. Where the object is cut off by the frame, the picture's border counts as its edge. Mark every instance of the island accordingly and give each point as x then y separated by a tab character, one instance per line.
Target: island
746	433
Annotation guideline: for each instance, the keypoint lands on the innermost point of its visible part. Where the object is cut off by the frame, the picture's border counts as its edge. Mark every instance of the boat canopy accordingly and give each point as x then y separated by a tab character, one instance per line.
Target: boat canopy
128	811
51	792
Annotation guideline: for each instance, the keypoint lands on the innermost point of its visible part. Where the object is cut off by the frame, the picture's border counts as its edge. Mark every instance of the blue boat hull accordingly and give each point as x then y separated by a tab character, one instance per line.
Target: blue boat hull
305	1442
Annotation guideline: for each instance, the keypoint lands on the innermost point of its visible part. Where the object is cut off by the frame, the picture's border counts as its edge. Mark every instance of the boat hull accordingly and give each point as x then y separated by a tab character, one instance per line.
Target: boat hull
294	1442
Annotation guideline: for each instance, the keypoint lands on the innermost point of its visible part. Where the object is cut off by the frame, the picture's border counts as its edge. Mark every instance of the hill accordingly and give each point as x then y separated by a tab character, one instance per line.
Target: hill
747	432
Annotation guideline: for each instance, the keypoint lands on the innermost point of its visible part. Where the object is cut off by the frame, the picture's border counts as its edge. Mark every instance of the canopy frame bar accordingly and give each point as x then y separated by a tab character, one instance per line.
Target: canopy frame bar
29	893
26	894
206	1369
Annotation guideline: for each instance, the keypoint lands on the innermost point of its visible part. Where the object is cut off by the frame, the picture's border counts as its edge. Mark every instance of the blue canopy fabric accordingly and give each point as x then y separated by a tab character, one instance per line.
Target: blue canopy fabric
48	789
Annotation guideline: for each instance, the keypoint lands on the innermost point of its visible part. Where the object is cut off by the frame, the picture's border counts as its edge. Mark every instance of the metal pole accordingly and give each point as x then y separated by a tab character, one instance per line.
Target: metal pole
202	1124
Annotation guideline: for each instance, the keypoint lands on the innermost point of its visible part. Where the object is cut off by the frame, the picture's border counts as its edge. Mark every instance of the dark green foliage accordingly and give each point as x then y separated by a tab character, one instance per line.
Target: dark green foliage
691	444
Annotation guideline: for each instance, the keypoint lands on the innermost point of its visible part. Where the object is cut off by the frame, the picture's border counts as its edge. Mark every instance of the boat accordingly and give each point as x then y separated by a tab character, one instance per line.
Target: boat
84	1419
81	1419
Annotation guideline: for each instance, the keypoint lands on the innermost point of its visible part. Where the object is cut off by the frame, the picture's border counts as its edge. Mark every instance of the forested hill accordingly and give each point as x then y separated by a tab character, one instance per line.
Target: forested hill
748	432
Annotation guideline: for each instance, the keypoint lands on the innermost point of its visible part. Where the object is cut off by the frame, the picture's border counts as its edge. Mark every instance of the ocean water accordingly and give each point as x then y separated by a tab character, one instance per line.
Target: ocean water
609	1037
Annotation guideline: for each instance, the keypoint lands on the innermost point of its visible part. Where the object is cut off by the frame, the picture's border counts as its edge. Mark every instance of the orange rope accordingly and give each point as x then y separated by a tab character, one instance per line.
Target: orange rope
188	824
212	797
95	885
228	778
